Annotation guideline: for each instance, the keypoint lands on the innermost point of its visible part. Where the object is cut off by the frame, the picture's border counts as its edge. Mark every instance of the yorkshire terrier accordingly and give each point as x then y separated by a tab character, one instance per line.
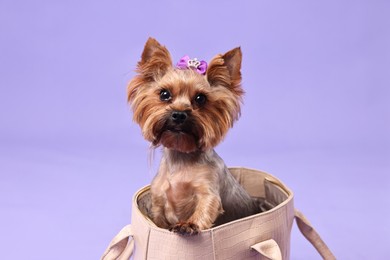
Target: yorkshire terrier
188	109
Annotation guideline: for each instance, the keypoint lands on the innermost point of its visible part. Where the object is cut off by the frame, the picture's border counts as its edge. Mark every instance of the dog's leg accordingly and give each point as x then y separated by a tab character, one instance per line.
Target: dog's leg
158	212
208	208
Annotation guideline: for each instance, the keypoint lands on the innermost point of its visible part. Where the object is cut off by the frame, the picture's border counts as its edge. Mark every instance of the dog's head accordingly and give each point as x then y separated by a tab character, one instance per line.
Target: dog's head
182	109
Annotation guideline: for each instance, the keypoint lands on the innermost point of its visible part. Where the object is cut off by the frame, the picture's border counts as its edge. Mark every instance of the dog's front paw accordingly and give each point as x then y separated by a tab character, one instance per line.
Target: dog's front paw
185	228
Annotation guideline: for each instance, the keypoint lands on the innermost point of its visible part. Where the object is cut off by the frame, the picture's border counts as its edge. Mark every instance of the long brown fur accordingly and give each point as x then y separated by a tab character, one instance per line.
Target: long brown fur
193	190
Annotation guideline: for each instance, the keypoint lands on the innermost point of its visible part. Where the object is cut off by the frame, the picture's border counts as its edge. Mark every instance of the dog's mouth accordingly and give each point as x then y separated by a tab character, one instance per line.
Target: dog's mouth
181	138
176	130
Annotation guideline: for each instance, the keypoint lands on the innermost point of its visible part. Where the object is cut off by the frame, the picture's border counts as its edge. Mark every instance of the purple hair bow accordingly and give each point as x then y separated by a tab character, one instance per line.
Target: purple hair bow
187	63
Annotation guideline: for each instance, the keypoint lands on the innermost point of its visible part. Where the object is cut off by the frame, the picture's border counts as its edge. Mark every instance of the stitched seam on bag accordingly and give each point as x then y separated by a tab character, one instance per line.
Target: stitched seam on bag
170	233
213	243
147	244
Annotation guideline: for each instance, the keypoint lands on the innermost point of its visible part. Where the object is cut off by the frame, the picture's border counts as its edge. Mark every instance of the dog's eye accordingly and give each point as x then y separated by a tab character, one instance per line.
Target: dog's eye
200	99
165	95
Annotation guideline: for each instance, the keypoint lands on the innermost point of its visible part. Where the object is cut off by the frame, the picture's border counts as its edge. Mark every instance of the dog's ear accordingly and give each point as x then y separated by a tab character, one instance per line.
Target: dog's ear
155	61
226	70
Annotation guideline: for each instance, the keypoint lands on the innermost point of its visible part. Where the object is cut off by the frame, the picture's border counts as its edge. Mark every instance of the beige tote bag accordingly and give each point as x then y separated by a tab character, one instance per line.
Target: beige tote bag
262	236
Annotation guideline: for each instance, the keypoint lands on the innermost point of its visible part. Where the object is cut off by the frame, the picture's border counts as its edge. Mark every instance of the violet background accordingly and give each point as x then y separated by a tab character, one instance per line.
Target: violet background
316	115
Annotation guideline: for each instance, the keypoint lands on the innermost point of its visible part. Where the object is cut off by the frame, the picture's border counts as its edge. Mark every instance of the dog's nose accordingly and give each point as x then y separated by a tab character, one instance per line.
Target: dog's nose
179	117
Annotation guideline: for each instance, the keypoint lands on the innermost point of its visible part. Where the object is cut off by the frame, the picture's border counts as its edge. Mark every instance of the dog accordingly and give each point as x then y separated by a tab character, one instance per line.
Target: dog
188	109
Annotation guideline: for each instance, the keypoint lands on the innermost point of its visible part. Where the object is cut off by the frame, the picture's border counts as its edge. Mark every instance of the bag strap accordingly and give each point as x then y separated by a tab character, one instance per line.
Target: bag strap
312	236
120	246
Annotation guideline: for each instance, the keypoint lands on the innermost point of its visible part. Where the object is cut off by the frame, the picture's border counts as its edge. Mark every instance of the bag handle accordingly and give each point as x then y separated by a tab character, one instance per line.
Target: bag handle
312	236
270	249
120	246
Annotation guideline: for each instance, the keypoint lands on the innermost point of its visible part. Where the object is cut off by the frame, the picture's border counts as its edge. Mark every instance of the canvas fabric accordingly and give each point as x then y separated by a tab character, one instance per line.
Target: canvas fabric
262	236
